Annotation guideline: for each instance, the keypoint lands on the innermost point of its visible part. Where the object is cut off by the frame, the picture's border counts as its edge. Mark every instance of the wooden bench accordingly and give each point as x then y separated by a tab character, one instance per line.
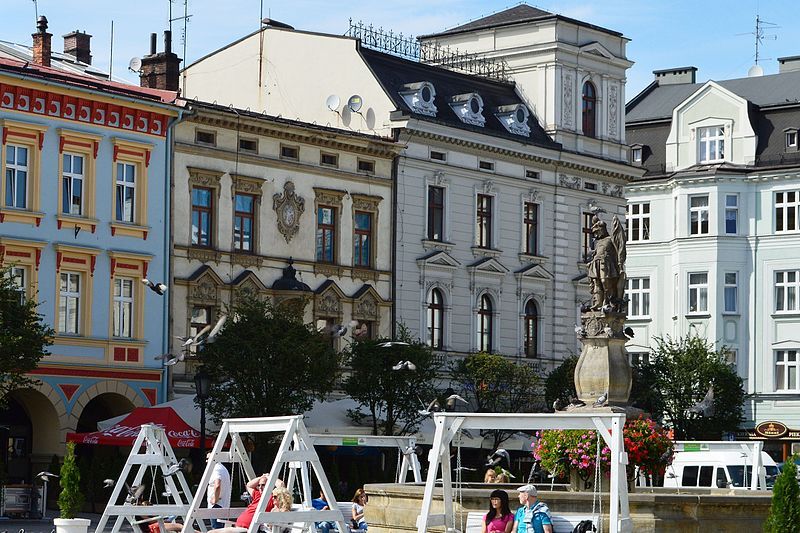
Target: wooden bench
563	523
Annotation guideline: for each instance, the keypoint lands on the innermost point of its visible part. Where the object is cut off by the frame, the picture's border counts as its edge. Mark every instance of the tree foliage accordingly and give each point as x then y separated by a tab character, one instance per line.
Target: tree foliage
784	513
560	383
267	362
390	400
498	384
23	338
70	499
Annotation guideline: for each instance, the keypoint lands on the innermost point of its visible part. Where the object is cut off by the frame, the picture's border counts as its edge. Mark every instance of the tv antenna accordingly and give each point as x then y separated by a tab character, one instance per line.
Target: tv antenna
185	18
761	35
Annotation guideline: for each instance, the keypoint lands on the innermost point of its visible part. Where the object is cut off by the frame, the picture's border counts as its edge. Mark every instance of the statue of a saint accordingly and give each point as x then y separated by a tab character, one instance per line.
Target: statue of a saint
606	267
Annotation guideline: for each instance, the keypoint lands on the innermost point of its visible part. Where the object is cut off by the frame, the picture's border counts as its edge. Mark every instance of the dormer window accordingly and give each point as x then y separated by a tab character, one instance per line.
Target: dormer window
636	154
515	119
791	139
469	108
711	144
419	97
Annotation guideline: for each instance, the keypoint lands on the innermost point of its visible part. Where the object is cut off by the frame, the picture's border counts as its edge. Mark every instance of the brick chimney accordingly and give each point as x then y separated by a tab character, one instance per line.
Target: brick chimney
42	48
160	70
77	45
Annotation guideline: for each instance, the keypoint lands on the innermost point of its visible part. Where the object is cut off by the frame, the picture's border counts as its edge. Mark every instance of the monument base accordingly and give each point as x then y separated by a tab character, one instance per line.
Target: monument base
603	370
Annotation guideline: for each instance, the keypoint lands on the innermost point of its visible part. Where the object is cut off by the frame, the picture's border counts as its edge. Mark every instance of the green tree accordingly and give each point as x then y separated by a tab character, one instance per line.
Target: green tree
23	337
70	499
388	399
683	370
560	383
498	384
267	362
784	513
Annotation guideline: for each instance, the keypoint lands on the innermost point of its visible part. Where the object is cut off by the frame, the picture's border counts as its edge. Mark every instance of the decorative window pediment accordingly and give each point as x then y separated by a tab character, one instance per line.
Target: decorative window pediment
438	259
420	97
469	108
366	304
328	300
248	283
514	118
534	273
204	286
488	266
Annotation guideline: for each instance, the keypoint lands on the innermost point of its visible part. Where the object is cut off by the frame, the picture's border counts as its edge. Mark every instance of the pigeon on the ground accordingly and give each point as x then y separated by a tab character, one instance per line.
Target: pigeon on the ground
704	407
404	365
601	401
574	402
390	344
158	288
45	475
108	483
558	405
497	457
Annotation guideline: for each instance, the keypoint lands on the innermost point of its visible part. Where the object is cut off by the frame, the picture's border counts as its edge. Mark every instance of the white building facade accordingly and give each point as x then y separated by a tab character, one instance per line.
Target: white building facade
714	235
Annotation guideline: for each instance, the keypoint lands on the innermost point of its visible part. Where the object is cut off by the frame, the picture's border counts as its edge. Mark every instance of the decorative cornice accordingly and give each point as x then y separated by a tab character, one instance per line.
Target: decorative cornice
365	202
329	196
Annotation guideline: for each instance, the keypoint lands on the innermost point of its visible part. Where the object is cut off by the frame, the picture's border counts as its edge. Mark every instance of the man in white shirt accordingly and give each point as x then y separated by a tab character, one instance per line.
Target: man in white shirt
218	493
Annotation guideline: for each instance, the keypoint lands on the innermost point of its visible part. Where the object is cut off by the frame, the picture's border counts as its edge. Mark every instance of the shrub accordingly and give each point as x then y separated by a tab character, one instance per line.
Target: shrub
784	513
71	499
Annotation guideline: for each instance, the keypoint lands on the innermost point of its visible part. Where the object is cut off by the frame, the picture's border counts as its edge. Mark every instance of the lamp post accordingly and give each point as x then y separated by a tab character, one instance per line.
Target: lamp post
202	386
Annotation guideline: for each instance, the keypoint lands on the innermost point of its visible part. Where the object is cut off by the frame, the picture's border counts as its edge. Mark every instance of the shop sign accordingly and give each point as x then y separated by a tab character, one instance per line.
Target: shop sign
771	430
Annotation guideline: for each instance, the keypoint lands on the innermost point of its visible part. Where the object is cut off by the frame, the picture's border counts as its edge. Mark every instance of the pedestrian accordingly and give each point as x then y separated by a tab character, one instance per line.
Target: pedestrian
499	519
358	522
218	493
533	516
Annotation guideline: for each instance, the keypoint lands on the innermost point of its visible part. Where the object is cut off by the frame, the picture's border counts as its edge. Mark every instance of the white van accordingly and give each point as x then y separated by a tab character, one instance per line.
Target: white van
701	465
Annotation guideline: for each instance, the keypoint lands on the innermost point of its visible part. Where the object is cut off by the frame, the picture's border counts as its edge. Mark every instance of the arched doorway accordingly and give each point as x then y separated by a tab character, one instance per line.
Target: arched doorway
102	407
16	436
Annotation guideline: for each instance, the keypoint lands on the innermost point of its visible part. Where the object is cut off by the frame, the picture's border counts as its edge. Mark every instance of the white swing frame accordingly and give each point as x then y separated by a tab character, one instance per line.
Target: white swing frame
410	462
296	451
157	453
447	425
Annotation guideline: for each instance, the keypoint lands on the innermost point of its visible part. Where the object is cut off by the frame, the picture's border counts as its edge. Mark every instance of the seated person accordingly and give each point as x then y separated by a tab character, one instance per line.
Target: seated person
321	504
283	504
357	518
490	476
254	487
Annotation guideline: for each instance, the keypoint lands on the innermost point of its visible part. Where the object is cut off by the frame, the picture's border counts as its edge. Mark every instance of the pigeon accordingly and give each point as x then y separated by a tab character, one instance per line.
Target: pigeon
601	401
158	288
557	405
390	344
432	407
338	330
217	328
704	407
108	483
175	359
607	330
135	492
456	398
574	402
580	331
45	475
404	365
628	331
189	341
497	457
464	469
184	465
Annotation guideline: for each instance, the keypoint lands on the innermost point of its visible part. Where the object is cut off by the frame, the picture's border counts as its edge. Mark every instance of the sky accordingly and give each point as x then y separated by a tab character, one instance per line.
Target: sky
716	36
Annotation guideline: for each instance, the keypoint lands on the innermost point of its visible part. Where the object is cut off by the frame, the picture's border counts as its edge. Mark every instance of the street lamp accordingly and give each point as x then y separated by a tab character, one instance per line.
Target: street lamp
202	386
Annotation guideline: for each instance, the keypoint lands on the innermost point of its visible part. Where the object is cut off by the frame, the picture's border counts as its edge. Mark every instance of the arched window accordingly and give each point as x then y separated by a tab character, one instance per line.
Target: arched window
589	109
436	320
531	328
485	325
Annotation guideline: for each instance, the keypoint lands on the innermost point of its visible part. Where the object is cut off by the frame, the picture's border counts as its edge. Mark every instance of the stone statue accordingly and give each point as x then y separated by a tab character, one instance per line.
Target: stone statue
606	267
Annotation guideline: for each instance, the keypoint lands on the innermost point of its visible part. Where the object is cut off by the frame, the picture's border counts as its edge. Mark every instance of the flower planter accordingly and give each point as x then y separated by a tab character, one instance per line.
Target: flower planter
71	525
578	484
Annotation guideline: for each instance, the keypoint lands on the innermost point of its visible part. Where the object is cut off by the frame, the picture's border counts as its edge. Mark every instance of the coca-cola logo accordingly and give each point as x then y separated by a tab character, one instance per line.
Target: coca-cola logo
186	443
91	440
124	431
185	434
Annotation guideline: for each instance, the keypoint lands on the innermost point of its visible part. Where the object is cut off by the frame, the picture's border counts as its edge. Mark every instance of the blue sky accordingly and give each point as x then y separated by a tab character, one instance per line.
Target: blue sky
714	35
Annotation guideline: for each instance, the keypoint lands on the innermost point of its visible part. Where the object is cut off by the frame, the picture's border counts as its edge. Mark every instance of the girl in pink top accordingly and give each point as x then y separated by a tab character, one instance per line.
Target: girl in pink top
499	519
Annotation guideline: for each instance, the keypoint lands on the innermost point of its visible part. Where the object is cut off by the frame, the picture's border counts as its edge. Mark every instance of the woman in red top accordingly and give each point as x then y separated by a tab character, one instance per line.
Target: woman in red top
499	519
255	487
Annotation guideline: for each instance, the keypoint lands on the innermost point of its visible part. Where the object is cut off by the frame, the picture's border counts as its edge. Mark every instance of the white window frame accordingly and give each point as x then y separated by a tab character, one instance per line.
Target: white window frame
638	297
732	208
699	211
791	139
733	288
17	168
787	292
19	276
68	300
636	154
784	368
711	144
788	212
123	307
696	291
122	185
636	212
492	222
73	177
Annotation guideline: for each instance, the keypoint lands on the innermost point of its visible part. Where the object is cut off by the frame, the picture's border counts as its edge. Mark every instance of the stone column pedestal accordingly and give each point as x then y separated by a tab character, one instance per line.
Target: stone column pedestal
602	368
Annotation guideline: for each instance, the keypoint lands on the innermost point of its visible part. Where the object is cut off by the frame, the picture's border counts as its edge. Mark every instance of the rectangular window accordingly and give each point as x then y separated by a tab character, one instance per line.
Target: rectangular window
19	276
638	216
586	231
787	207
290	152
531	228
791	139
698	215
366	166
16	176
72	185
698	292
731	214
638	292
787	289
531	174
435	213
711	145
126	192
244	222
69	302
486	165
636	154
248	145
639	358
362	239
589	186
731	292
786	370
326	234
328	160
205	137
123	307
483	229
202	216
438	156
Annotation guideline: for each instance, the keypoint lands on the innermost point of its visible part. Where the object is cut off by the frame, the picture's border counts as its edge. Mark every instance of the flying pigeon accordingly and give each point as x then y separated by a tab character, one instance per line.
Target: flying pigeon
135	492
45	475
108	483
338	330
601	401
455	398
464	469
184	465
704	407
158	288
175	359
628	331
496	458
404	365
389	344
214	332
431	408
189	341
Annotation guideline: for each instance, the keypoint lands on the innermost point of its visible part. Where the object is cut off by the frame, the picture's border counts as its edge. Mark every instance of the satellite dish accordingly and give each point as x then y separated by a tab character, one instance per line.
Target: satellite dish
135	64
332	102
354	103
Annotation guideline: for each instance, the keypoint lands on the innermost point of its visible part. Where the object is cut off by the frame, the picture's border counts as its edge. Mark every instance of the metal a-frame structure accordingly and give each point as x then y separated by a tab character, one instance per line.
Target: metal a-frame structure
608	424
405	445
150	449
296	452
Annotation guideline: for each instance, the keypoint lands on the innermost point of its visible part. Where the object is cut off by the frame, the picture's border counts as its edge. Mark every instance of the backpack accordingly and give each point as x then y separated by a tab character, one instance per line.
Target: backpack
584	526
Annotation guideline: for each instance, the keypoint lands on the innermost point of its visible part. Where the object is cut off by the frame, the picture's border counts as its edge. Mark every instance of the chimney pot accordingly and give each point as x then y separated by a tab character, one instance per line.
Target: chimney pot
42	49
41	24
167	42
153	40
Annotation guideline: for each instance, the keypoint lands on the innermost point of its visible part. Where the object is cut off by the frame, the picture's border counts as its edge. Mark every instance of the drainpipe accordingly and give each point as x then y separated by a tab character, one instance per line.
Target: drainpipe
393	293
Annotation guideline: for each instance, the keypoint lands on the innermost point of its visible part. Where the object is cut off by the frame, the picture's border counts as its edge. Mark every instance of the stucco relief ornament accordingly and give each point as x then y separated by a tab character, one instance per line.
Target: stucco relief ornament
612	110
567	100
289	207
